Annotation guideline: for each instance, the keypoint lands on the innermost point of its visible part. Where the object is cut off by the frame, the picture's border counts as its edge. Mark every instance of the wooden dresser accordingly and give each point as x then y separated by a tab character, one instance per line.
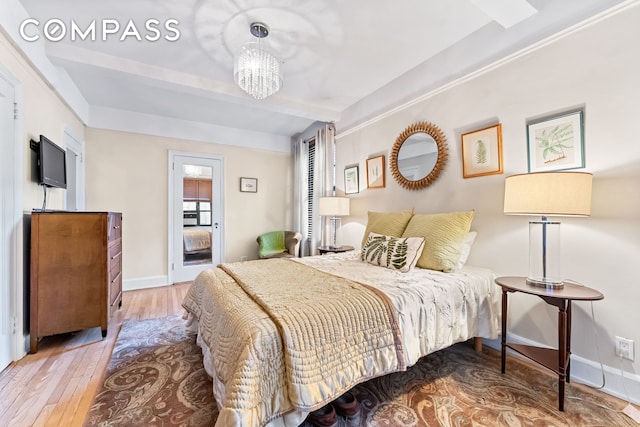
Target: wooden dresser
76	271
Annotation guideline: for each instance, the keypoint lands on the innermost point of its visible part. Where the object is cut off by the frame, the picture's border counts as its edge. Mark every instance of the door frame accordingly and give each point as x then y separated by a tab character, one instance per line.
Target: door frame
171	200
16	261
77	146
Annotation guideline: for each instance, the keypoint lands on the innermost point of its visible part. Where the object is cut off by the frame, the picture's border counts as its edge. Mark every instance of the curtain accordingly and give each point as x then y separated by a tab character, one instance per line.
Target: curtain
313	178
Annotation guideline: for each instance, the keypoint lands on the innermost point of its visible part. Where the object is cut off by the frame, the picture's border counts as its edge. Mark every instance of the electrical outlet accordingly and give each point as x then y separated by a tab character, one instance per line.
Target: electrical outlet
624	348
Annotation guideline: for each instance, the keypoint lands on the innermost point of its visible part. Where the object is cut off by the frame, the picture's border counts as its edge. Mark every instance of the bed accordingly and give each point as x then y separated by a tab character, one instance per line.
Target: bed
196	242
283	337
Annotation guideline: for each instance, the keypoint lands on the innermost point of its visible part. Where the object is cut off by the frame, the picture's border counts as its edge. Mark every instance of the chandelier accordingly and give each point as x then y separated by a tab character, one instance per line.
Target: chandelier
256	69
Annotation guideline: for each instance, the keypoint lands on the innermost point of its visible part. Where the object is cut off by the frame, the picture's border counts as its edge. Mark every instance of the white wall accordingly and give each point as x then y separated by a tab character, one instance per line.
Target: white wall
127	172
596	67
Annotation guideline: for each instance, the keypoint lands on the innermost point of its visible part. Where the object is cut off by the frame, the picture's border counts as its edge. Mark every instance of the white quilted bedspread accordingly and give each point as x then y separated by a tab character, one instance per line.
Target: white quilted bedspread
434	309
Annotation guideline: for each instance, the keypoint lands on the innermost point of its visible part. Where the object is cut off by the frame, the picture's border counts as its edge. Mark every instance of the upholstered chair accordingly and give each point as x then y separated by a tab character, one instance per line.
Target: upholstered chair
279	244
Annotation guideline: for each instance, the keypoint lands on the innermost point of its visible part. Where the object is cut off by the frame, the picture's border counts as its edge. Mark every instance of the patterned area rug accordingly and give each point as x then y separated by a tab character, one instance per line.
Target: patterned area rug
155	377
458	387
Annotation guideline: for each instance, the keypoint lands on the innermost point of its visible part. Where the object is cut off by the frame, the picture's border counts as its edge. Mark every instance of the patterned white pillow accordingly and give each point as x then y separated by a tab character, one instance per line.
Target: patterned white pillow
395	253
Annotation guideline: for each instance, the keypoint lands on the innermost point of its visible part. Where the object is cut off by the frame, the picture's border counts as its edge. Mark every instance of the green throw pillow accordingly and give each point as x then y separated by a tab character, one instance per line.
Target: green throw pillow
395	253
443	235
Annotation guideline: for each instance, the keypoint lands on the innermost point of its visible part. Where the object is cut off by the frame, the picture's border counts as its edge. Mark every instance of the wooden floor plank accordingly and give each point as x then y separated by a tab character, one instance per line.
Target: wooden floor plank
66	402
93	378
55	386
47	379
43	417
24	371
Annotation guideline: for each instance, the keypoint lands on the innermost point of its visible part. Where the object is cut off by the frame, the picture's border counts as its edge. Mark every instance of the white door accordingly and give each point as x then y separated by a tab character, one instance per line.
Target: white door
70	196
196	220
74	196
6	192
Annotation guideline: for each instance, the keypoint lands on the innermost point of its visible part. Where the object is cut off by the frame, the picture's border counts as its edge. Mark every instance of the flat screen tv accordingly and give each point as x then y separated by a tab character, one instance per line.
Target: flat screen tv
52	164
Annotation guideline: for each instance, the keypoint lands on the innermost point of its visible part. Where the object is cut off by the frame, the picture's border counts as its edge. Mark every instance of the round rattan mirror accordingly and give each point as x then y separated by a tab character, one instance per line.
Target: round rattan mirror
418	155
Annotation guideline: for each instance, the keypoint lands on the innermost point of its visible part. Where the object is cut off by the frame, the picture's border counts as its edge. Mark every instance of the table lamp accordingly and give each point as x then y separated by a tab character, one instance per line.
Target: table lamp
335	207
547	194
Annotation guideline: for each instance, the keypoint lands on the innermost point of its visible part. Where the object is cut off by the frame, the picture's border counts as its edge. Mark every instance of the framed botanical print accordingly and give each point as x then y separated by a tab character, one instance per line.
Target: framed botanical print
351	178
556	143
482	152
375	172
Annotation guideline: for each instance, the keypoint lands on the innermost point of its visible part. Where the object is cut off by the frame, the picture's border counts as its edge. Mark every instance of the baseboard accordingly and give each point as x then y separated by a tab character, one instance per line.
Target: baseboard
144	283
588	372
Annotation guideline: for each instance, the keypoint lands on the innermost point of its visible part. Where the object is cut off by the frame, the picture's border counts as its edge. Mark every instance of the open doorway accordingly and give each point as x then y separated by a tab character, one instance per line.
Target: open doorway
195	214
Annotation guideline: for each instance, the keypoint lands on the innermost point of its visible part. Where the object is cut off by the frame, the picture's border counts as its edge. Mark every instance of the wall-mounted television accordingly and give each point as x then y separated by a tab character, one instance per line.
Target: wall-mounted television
52	164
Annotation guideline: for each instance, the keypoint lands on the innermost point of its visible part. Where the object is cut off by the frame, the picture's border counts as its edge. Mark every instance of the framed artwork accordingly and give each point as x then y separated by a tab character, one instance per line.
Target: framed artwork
556	143
482	152
249	185
351	178
375	172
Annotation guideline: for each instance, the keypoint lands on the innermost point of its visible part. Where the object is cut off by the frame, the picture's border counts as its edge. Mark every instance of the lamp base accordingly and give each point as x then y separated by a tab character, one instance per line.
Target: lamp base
544	254
545	283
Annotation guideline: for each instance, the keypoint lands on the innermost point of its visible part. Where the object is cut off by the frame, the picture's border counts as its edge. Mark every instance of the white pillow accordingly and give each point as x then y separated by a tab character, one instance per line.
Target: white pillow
395	253
465	248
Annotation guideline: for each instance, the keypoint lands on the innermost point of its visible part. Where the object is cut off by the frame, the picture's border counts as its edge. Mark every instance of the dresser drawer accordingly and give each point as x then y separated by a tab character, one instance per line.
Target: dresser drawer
115	251
115	226
115	304
115	285
114	265
115	269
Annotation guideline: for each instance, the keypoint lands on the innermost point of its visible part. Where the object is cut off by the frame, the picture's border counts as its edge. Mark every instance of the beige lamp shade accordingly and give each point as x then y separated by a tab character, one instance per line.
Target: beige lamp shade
548	194
334	206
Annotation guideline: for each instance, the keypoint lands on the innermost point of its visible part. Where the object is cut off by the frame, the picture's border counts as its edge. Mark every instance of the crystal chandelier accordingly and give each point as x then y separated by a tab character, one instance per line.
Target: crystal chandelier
256	69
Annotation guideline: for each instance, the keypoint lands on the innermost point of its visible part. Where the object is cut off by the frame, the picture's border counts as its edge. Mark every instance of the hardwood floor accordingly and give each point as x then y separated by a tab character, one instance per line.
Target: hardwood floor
55	386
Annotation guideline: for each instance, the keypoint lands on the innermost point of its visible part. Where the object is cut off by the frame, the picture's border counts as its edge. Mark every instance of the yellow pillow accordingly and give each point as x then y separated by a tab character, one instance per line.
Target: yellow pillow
387	223
443	235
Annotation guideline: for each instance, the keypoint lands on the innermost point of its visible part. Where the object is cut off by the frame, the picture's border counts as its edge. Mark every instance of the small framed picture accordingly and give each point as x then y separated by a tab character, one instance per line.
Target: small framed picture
249	185
351	179
482	152
556	143
375	172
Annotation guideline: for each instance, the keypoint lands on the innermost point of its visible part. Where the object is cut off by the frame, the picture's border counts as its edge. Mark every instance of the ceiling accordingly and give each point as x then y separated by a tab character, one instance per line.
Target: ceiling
343	61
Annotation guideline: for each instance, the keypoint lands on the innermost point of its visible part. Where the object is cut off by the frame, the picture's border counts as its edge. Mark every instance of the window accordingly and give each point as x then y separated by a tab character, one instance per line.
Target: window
196	213
310	179
204	213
